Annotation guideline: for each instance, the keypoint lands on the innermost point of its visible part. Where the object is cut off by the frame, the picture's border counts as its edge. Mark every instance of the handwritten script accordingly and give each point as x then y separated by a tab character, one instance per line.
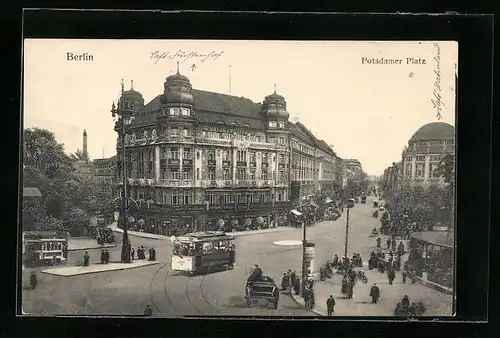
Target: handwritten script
436	100
183	56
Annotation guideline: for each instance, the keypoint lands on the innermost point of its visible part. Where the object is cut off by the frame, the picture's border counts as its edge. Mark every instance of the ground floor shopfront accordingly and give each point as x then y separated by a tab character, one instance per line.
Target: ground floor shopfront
172	220
432	256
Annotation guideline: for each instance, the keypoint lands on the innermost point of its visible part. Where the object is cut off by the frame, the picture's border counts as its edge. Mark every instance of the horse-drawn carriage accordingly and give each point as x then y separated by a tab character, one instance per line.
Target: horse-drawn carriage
262	290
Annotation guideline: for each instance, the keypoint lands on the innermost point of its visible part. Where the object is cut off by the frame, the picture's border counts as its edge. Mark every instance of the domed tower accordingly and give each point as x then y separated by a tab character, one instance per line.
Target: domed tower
131	99
274	110
177	99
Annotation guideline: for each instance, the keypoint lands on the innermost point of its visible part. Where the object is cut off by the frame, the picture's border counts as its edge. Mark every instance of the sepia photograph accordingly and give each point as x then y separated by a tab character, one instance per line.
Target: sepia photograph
238	178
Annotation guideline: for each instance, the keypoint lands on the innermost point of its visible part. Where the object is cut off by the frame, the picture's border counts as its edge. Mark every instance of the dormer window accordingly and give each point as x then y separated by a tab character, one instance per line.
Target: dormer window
174	111
185	111
273	124
281	124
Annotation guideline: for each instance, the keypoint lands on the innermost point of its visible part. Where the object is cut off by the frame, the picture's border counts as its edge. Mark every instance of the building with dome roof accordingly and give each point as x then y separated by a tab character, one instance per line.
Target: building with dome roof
202	160
424	151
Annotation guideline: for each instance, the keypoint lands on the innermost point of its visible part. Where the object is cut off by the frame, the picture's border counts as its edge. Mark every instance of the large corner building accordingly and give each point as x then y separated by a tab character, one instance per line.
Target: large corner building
202	160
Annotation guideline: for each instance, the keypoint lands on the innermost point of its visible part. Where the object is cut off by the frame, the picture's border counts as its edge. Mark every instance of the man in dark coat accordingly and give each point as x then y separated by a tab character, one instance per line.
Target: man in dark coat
106	256
153	252
33	280
393	244
391	274
375	293
86	259
330	306
404	275
148	311
335	263
256	274
379	241
132	254
103	257
401	249
388	243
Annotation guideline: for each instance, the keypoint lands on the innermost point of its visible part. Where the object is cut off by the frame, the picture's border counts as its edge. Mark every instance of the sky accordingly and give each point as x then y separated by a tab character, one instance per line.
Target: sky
364	111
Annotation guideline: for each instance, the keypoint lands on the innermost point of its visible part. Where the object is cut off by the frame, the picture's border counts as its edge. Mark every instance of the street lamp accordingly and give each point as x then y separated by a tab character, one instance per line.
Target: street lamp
125	117
350	204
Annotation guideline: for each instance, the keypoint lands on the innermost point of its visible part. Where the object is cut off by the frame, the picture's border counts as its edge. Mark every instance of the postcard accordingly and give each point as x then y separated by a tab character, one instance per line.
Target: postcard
219	178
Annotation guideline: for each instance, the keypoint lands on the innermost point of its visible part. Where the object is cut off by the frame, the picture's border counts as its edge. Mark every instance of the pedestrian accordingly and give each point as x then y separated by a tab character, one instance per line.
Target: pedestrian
148	311
106	256
86	259
33	280
404	274
103	257
391	275
143	253
284	282
293	275
132	254
401	248
375	293
297	286
153	251
379	241
405	301
350	289
388	243
393	244
330	306
335	261
149	254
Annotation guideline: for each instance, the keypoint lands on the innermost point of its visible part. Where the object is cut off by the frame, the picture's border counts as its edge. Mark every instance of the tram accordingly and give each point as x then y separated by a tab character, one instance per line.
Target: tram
203	251
40	248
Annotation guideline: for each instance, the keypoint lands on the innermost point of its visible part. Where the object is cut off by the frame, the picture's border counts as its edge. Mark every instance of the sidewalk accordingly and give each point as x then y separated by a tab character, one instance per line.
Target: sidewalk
95	268
437	303
236	234
75	244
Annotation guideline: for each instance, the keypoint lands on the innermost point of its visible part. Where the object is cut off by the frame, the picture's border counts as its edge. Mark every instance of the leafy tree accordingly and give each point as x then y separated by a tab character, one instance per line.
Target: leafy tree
47	167
49	223
446	168
79	155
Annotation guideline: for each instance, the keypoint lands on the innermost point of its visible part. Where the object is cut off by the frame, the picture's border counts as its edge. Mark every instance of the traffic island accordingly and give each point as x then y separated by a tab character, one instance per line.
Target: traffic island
96	268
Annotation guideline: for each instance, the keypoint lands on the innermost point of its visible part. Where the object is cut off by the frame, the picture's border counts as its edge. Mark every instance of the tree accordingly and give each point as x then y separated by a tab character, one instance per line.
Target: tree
47	167
79	155
446	169
49	223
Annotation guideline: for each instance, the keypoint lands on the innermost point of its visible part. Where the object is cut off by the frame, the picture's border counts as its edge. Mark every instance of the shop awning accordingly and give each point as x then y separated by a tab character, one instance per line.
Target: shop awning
295	212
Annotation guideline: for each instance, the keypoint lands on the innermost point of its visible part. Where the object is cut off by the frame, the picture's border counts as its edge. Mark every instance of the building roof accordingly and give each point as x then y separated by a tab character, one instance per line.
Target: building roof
440	238
31	192
434	131
213	108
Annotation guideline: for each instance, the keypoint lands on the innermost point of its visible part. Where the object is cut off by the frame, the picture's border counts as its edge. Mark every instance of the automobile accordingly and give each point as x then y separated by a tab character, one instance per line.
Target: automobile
264	290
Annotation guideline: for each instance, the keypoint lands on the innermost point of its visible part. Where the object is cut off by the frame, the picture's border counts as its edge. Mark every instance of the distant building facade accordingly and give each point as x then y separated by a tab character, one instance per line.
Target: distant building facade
202	160
104	176
352	170
425	150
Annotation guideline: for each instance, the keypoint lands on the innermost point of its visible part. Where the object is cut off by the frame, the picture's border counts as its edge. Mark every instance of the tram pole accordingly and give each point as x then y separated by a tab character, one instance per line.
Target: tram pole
304	263
123	114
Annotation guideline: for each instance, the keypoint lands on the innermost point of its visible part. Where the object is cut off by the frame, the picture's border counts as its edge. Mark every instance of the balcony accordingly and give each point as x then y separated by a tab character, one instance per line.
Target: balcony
164	208
174	162
187	162
241	163
218	142
242	184
265	165
226	164
253	164
212	163
174	183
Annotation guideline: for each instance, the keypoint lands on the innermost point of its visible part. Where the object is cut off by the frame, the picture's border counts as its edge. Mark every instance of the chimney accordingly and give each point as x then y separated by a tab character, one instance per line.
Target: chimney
85	152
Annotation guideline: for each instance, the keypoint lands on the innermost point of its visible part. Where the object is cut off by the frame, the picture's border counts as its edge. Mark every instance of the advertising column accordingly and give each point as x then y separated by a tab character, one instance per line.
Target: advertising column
309	259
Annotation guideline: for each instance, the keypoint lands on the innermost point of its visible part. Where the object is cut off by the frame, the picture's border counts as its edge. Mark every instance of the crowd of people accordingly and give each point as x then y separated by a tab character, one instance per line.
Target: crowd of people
404	308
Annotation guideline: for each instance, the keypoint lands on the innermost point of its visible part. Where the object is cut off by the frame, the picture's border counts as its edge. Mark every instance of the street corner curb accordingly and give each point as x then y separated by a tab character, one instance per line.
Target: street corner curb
297	299
94	248
101	271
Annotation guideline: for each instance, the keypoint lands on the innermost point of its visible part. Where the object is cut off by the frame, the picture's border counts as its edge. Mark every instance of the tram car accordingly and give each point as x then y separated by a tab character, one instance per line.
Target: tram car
264	290
203	251
42	248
